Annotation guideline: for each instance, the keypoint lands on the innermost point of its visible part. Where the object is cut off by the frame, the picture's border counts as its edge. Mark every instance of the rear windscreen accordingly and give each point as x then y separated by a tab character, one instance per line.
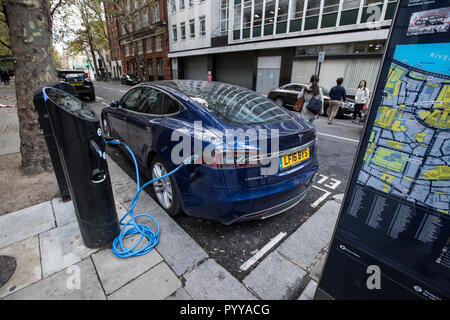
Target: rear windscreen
70	76
231	103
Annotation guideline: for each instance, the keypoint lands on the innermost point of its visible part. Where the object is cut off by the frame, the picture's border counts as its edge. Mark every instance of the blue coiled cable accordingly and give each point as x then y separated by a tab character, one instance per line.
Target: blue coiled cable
131	227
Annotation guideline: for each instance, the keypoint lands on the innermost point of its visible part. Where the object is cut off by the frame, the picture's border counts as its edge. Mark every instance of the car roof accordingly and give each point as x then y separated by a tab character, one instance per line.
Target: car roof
70	70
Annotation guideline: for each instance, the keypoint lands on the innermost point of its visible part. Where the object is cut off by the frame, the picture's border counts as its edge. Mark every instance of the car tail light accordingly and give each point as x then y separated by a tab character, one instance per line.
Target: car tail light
234	159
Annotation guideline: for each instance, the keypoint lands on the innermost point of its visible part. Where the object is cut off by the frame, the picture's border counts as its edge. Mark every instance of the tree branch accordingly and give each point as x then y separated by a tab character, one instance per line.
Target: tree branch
56	7
5	44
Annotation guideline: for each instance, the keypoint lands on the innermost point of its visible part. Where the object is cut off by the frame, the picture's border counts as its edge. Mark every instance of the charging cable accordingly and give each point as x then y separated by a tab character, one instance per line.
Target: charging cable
131	227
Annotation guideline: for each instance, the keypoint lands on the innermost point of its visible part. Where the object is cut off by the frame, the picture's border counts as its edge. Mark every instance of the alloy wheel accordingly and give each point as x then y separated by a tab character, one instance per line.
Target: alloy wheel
163	187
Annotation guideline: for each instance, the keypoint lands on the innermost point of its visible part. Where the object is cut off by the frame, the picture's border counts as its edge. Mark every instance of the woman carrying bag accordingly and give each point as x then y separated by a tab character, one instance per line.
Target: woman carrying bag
310	100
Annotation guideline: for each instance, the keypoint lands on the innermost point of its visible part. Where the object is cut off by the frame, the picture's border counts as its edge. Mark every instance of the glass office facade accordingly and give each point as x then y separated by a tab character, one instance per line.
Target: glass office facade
265	18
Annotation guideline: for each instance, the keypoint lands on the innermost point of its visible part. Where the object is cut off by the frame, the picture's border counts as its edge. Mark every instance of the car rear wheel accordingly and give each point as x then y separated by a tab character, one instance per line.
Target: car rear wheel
92	96
164	189
279	101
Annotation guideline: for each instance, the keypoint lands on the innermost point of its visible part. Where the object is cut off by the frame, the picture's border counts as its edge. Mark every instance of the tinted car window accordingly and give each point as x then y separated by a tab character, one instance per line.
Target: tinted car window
130	100
170	105
78	75
152	102
232	103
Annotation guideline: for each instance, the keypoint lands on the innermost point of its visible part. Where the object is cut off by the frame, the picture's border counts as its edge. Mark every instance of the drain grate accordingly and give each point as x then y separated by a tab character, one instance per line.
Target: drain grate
7	268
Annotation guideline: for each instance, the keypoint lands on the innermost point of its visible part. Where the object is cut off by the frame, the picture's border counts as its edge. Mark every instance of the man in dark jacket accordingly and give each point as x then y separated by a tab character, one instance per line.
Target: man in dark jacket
337	94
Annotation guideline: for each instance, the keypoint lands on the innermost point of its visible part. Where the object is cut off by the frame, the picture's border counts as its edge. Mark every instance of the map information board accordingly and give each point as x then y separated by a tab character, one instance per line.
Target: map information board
395	216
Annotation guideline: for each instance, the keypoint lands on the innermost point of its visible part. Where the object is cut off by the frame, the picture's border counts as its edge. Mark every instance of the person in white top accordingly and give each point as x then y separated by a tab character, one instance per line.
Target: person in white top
361	98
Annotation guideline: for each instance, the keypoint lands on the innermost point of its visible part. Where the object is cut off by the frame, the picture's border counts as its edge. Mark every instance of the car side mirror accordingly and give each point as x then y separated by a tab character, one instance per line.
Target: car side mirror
115	104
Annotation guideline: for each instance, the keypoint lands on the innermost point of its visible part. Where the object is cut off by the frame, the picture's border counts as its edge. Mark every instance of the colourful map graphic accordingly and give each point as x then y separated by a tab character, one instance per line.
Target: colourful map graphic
408	154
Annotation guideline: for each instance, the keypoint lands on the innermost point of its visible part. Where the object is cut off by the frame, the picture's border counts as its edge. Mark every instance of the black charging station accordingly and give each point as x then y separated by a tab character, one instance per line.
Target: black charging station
82	155
44	123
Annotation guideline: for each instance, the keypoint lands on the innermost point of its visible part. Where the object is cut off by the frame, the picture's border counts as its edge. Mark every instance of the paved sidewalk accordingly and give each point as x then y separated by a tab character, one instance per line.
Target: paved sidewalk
46	243
9	122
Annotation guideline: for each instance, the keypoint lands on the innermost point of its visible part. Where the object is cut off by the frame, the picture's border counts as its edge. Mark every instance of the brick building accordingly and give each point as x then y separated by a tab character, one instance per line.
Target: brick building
147	39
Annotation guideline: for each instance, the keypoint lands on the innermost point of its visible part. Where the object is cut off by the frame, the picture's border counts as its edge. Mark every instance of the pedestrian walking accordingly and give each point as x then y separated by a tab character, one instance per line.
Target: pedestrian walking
361	98
7	77
312	106
2	75
337	94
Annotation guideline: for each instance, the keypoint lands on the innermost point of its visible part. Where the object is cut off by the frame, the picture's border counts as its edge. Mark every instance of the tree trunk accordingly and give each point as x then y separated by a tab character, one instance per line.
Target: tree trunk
31	45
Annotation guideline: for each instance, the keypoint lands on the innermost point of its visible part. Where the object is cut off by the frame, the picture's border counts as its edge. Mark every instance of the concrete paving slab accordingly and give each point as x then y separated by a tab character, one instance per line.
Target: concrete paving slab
316	271
25	223
179	250
180	294
310	290
304	245
210	281
276	278
64	211
62	247
28	260
78	282
156	284
338	197
124	191
115	272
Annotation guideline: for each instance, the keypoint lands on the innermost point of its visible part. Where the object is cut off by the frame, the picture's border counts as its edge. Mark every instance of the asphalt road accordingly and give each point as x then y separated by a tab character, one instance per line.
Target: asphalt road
232	246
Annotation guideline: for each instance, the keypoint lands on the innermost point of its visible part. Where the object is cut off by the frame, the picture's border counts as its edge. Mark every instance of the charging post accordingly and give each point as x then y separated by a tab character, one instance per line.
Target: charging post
81	149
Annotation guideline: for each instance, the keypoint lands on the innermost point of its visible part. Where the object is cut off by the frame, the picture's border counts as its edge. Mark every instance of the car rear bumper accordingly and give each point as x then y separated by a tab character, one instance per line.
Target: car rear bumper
85	90
235	204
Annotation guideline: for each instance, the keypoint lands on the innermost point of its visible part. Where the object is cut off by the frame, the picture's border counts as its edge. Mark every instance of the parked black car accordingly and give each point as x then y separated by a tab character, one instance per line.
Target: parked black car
79	80
286	95
130	79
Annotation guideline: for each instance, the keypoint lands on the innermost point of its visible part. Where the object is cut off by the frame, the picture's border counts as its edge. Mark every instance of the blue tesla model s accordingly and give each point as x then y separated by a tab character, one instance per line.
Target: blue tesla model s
254	159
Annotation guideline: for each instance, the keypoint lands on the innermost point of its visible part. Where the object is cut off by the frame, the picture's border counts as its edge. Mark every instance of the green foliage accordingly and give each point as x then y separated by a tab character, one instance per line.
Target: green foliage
57	58
5	46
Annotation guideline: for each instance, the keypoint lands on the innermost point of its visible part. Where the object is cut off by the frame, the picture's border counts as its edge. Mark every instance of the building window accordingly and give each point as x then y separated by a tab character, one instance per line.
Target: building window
183	30
349	13
224	17
174	33
136	4
182	5
151	74
247	19
155	13
202	26
312	14
148	45
140	47
269	16
296	15
173	7
192	28
127	50
330	12
145	18
159	68
137	21
191	3
158	43
282	16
